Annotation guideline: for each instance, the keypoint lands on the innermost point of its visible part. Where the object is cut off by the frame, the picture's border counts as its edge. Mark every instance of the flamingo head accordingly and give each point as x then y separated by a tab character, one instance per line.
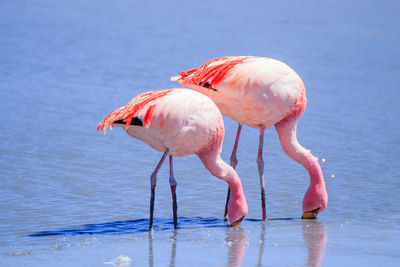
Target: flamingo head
315	200
237	209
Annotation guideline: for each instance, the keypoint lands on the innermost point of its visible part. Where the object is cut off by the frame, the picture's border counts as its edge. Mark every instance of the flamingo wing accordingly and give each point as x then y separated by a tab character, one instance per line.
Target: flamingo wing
211	73
127	114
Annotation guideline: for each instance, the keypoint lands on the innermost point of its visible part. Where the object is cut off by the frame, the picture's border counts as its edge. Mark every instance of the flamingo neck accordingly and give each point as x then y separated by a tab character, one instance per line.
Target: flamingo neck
220	169
213	162
316	176
316	196
288	138
237	205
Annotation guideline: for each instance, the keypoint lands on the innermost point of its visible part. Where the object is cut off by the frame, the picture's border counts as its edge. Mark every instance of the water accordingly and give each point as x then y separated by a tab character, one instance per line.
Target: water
72	197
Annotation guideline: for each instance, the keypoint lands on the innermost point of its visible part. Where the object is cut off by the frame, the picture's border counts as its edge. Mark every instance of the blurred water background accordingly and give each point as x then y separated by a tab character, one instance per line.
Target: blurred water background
72	197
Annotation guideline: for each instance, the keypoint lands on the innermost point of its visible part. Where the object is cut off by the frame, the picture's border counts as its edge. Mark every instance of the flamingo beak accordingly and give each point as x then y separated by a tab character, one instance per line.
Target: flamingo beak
310	214
237	222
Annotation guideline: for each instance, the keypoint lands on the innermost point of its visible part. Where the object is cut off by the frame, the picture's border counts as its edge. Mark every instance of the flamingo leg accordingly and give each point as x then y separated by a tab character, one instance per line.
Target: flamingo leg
153	181
260	165
233	162
233	159
173	184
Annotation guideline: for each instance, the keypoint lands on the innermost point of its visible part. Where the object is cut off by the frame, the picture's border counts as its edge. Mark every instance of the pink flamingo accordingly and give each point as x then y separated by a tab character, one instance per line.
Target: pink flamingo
180	122
261	92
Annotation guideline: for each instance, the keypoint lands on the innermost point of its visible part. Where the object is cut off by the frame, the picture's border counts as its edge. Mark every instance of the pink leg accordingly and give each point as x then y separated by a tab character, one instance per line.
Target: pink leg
260	165
153	181
233	164
173	184
234	160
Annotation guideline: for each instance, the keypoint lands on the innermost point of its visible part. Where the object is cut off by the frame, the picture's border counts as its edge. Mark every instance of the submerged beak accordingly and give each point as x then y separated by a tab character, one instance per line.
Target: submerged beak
237	222
310	214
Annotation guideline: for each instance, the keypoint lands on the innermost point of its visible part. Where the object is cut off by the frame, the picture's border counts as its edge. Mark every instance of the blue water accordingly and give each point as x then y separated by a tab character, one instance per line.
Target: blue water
72	197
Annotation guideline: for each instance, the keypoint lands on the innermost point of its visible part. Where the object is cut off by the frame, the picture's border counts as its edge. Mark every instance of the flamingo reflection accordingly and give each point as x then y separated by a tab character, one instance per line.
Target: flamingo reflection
314	234
315	237
261	242
173	249
236	239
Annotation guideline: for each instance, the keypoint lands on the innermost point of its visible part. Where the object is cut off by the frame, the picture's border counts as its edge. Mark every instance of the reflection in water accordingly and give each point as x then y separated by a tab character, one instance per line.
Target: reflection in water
173	250
236	238
314	234
261	242
151	256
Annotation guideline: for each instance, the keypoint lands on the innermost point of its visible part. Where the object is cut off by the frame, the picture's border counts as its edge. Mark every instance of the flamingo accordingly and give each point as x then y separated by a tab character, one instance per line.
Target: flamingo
260	92
180	122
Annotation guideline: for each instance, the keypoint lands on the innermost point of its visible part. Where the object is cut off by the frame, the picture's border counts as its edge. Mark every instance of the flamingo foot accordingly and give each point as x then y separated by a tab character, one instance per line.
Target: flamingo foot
310	214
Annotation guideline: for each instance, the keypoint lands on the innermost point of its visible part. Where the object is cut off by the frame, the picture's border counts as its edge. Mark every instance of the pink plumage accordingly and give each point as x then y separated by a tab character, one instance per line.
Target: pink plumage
213	70
132	108
180	122
261	92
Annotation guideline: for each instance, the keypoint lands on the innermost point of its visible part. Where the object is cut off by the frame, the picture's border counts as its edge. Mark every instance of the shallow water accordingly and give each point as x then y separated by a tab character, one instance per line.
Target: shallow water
72	197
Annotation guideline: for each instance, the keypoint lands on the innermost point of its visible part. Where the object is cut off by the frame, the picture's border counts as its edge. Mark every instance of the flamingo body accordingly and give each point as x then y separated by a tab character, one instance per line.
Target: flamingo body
256	91
180	122
261	92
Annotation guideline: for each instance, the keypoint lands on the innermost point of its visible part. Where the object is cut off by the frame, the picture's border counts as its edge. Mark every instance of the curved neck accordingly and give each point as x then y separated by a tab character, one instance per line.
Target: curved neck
305	158
237	205
214	163
316	176
287	135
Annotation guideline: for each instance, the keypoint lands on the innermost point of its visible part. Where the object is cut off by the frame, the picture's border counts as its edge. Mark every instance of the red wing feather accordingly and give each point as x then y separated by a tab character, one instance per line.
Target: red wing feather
132	108
213	74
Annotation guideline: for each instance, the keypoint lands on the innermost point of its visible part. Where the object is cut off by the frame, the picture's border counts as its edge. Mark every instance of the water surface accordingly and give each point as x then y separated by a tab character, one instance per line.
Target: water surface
72	197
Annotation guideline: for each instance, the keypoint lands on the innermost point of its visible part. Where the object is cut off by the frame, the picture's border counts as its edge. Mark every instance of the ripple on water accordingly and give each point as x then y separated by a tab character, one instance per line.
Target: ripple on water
132	226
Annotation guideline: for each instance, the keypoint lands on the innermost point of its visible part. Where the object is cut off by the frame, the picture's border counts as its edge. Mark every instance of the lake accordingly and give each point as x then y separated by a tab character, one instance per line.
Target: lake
70	196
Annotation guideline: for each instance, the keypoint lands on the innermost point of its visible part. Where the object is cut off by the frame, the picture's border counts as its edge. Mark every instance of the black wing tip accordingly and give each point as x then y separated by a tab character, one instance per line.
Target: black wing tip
208	85
135	121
